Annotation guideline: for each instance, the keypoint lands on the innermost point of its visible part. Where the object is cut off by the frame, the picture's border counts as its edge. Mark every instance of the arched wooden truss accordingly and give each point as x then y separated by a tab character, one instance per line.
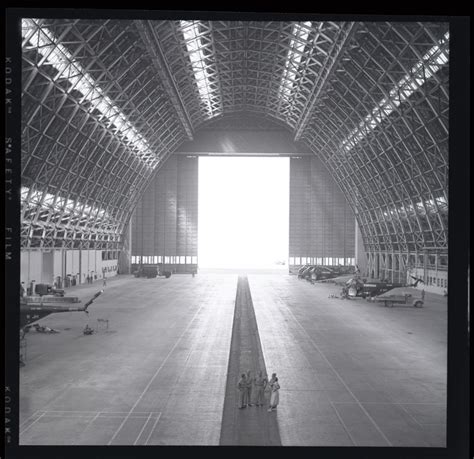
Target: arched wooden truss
105	102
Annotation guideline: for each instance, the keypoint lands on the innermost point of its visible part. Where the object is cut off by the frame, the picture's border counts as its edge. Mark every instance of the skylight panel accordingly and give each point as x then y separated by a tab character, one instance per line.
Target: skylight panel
56	55
430	64
49	201
194	45
293	60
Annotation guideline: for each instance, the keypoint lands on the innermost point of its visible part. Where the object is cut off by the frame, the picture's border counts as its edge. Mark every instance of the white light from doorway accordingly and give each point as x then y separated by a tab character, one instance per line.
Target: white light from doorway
243	213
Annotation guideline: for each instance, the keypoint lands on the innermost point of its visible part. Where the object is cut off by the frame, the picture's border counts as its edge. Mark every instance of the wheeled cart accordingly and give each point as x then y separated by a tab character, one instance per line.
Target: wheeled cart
407	299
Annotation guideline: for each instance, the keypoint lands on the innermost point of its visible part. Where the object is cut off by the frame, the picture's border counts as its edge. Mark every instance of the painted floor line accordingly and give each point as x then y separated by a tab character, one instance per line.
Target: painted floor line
142	429
31	425
32	416
174	391
155	375
88	425
410	415
338	375
343	424
87	416
152	429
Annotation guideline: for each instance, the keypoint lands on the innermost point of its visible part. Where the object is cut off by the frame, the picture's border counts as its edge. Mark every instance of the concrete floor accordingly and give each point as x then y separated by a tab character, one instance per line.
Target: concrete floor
157	376
351	372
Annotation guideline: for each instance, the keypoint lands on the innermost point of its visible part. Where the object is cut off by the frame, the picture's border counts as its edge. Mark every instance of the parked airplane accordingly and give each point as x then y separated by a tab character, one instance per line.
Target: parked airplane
357	287
314	273
34	308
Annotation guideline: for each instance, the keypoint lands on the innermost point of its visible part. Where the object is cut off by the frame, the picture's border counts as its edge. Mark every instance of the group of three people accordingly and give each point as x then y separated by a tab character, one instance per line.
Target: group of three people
246	385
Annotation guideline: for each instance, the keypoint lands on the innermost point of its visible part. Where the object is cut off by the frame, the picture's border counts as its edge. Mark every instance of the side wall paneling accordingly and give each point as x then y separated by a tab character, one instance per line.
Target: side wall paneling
322	224
164	224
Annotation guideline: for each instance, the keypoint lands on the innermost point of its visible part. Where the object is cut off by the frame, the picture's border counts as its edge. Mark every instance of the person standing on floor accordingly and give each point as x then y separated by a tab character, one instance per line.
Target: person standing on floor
242	386
268	388
250	381
275	396
260	384
272	380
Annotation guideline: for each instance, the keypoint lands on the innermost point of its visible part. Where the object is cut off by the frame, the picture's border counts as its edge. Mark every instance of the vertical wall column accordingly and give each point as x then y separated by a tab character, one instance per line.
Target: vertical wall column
360	254
124	260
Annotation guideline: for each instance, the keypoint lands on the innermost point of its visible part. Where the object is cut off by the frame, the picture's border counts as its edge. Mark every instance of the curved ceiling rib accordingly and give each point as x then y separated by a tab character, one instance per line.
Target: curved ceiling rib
106	102
94	130
395	171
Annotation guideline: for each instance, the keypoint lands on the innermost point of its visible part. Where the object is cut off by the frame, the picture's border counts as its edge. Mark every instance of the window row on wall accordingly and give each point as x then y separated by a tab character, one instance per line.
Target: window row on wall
432	278
110	255
156	259
323	261
437	281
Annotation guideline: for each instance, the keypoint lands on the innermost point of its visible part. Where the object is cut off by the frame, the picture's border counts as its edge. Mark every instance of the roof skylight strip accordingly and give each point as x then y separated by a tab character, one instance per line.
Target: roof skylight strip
58	204
190	30
430	205
57	55
295	54
430	64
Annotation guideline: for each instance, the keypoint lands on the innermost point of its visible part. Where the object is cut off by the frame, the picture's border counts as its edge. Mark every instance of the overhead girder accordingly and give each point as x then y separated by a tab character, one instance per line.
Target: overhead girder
403	162
325	81
148	36
69	149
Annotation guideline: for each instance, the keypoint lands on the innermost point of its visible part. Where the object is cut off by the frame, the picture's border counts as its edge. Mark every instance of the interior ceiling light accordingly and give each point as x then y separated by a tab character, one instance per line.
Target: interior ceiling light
57	56
293	60
431	62
192	38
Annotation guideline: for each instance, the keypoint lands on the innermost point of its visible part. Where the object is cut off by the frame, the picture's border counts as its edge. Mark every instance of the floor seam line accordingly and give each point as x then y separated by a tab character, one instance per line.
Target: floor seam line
338	375
343	424
156	374
143	428
33	423
152	429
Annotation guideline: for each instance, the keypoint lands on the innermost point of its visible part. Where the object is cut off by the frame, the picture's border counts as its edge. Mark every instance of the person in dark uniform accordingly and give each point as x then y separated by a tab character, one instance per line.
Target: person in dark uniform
242	386
250	381
260	384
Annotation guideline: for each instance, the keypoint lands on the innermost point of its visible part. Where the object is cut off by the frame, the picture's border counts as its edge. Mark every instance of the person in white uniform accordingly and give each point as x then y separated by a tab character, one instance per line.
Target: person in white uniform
275	395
